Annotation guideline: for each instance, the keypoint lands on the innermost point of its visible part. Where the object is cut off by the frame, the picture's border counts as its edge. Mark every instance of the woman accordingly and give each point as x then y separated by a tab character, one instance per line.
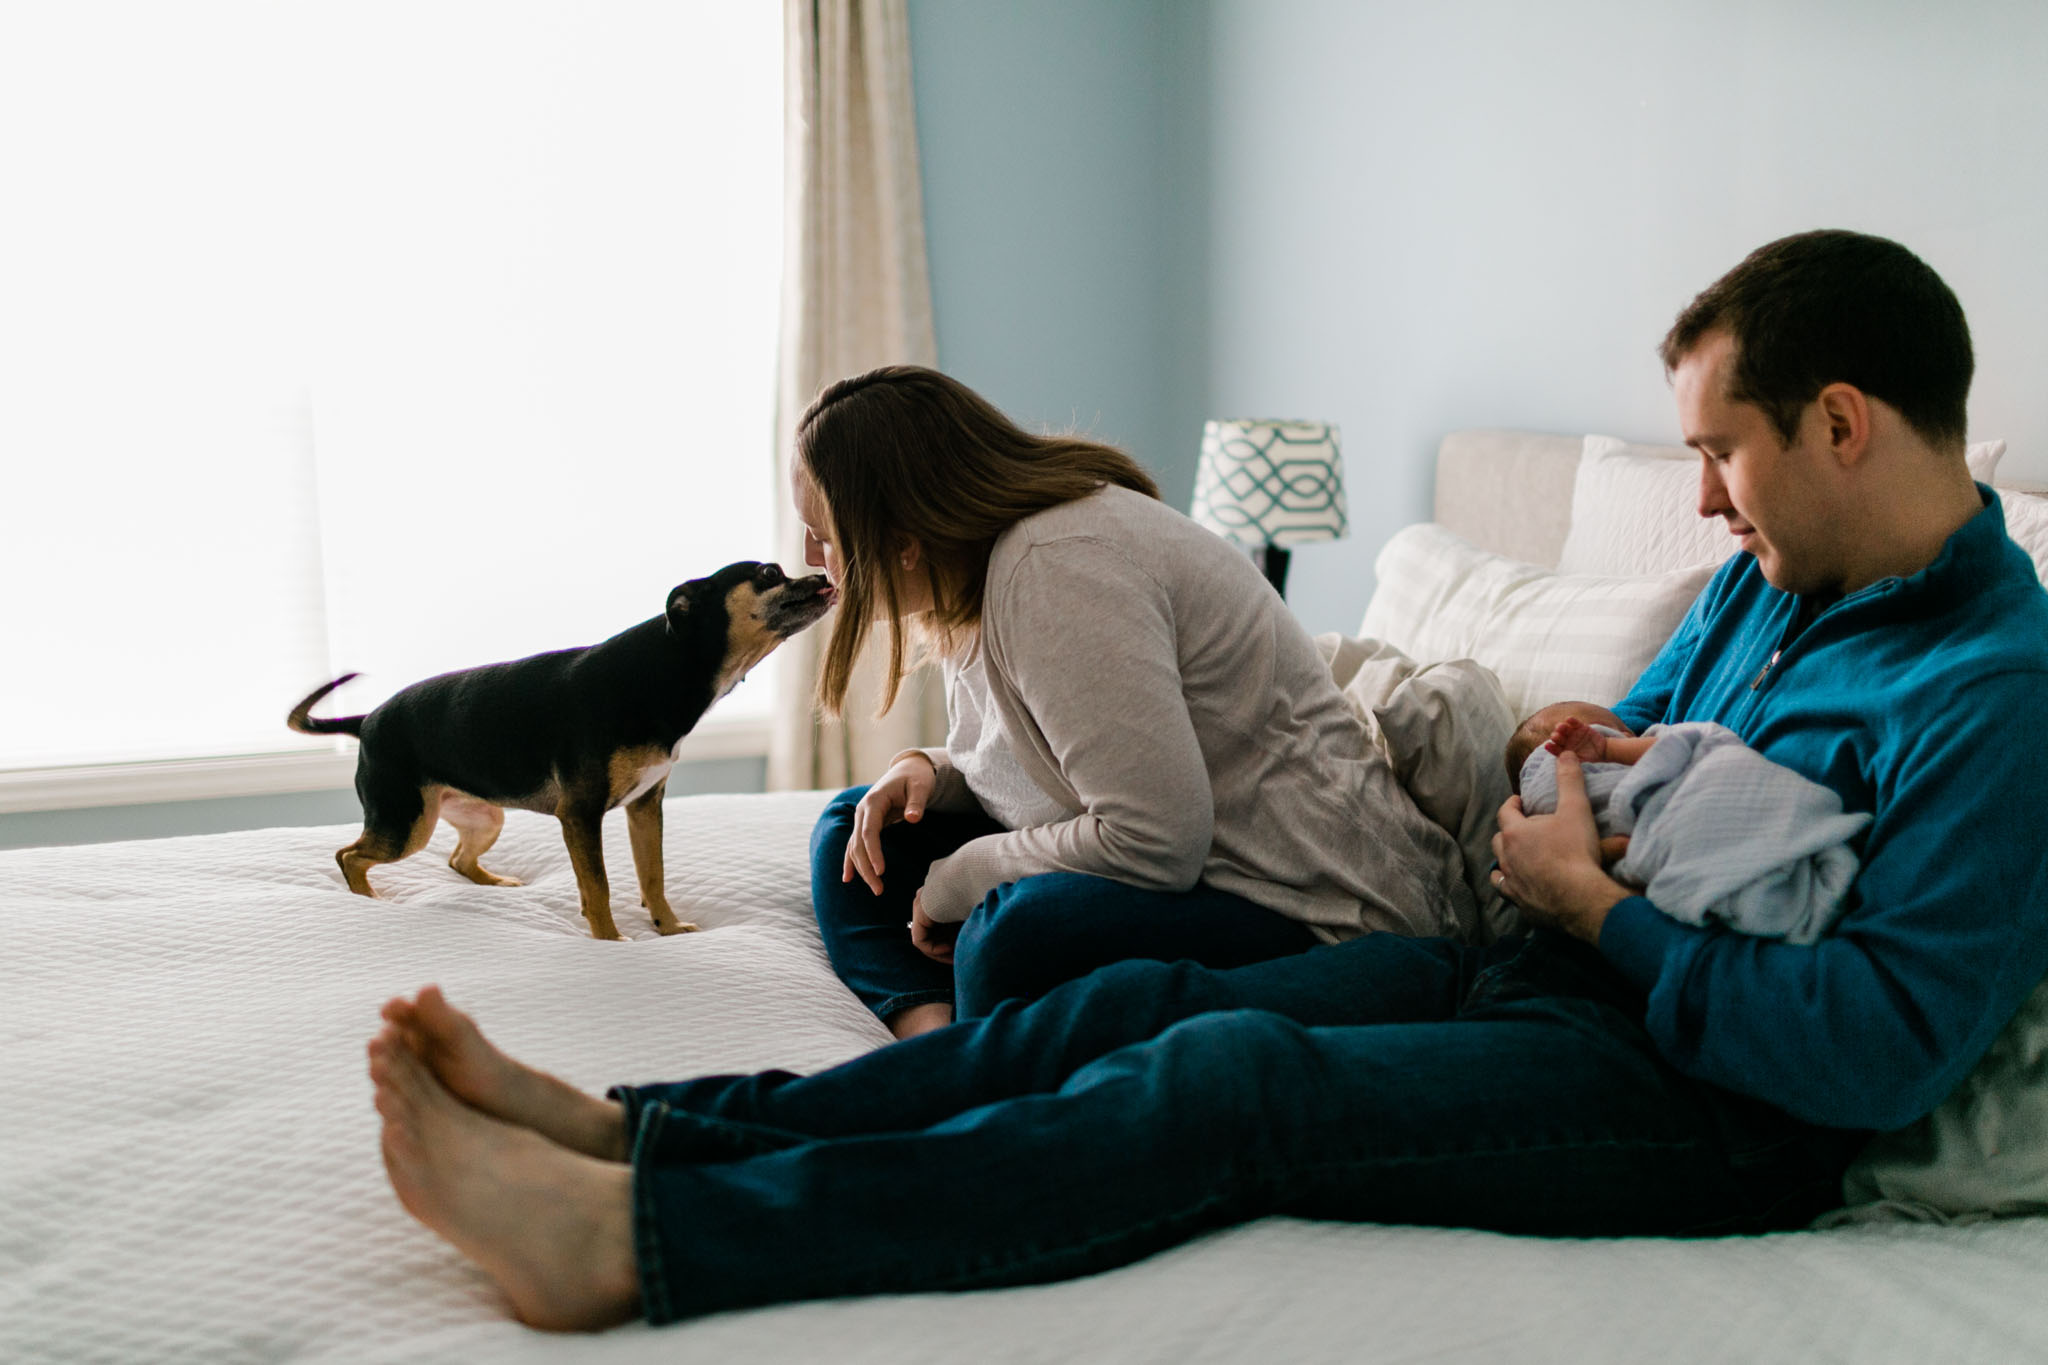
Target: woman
1146	757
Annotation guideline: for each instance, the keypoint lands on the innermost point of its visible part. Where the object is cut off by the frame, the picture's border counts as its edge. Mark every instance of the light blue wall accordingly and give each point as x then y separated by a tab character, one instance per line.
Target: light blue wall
1411	218
1486	212
1064	172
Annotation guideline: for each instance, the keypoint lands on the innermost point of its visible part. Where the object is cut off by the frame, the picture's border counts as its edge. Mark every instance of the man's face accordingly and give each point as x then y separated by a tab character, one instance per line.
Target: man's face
1774	497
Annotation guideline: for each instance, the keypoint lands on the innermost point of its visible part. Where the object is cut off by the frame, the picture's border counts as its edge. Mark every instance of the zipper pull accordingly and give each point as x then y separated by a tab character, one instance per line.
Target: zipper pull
1765	671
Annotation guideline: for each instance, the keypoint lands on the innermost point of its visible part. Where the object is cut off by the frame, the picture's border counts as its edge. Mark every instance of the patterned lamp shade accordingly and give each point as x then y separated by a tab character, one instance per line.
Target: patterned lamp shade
1271	483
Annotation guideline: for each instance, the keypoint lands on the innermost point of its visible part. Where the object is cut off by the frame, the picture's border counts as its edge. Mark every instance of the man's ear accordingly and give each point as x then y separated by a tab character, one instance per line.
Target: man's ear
1846	411
678	607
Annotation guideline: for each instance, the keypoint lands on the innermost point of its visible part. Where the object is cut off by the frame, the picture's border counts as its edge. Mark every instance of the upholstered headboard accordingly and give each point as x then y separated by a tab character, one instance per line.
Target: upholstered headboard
1510	492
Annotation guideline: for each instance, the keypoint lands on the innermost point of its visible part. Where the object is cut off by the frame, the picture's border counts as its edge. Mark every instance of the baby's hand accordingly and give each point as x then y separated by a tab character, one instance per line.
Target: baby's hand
1573	735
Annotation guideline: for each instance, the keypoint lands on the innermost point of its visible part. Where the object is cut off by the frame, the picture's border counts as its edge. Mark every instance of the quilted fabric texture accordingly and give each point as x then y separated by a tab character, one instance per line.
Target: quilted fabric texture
188	1157
189	1168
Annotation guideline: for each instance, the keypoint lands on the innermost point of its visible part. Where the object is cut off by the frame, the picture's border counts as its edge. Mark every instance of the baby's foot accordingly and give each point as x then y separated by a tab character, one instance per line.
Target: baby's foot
477	1073
1573	735
552	1228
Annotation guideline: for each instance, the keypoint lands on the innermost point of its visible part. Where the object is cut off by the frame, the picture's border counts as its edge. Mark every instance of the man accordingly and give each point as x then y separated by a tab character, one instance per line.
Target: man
1613	1072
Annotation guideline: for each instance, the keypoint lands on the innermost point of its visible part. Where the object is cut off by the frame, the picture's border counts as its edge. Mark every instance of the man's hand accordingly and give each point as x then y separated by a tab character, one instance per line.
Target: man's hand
931	938
1550	865
898	794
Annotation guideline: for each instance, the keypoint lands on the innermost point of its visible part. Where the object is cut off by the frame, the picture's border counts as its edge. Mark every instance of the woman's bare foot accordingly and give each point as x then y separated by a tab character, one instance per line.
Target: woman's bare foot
552	1228
477	1073
918	1019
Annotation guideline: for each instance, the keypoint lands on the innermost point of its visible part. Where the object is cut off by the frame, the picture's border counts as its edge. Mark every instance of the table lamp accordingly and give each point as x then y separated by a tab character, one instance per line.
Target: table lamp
1269	485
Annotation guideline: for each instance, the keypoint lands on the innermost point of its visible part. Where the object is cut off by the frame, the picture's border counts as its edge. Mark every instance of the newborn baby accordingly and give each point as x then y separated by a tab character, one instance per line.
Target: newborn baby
1718	834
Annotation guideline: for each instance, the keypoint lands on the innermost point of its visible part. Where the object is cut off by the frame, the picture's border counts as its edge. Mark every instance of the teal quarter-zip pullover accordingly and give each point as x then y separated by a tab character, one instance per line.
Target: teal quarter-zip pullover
1922	700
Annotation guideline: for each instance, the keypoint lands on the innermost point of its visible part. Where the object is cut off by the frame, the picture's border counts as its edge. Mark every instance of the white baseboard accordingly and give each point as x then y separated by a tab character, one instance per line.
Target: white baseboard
306	770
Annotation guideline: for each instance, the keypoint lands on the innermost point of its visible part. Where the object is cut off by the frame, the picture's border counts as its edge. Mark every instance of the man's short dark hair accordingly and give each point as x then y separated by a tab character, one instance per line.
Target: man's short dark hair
1829	307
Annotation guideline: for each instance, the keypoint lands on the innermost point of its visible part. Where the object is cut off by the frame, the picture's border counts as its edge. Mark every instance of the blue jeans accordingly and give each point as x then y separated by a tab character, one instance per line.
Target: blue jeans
1026	936
1383	1079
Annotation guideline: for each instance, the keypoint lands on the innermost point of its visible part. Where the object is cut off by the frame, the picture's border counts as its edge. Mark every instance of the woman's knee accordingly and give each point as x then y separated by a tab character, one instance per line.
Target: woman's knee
1021	941
839	810
835	824
1050	902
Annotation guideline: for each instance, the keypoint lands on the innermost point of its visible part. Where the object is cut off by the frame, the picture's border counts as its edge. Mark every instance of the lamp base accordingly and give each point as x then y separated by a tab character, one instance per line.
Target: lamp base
1272	561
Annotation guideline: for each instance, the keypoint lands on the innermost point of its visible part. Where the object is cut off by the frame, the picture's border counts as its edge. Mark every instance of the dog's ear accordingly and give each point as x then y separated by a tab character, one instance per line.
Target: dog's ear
678	607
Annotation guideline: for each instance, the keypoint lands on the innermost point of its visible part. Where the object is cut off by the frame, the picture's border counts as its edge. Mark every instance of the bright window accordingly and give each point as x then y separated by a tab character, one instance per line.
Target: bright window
386	337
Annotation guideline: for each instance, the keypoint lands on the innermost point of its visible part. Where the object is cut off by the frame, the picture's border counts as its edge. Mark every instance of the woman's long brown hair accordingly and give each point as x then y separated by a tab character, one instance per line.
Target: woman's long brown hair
904	455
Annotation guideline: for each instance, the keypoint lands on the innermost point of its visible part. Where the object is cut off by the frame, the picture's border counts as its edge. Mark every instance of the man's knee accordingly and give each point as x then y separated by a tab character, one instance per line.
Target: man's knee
1241	1042
1246	1071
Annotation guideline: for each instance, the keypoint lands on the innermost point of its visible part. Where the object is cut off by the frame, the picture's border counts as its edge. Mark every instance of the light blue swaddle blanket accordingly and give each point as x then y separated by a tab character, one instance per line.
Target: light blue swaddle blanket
1718	834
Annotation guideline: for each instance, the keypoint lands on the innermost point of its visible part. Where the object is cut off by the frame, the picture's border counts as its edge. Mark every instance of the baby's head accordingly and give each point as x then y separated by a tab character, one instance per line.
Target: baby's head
1535	730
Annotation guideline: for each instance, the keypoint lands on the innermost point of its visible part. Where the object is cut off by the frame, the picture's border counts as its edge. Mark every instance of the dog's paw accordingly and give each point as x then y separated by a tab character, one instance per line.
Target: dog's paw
674	927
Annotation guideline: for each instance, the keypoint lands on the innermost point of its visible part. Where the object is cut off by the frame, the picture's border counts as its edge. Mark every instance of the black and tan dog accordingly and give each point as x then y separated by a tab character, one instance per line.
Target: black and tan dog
571	733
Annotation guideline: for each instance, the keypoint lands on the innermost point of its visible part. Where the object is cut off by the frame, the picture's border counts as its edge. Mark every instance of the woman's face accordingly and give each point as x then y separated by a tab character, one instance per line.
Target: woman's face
819	552
913	589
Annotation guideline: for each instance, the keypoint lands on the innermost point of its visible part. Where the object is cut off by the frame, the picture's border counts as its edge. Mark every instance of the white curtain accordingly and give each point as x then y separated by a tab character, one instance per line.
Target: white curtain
856	294
394	336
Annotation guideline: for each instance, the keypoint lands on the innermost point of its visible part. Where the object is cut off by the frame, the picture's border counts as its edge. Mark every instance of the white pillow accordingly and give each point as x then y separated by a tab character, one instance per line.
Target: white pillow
1983	458
2026	521
1635	509
1548	636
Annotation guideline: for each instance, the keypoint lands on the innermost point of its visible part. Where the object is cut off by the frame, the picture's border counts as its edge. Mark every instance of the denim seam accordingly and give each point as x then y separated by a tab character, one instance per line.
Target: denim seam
1506	1149
746	1136
1039	1255
630	1105
654	1297
896	1004
1485	984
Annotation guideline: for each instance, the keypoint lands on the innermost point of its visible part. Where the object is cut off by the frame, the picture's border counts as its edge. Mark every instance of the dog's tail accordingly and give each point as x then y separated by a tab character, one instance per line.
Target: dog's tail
341	725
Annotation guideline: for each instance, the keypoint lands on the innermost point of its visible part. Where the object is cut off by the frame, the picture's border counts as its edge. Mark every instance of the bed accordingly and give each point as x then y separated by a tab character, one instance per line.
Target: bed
189	1166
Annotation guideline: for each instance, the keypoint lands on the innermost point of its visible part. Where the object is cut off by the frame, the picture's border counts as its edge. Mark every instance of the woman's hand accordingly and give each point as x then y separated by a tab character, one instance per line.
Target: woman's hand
899	794
933	939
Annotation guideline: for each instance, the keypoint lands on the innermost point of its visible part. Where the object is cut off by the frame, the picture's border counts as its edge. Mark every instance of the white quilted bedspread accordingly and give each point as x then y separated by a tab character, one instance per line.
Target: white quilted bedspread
189	1168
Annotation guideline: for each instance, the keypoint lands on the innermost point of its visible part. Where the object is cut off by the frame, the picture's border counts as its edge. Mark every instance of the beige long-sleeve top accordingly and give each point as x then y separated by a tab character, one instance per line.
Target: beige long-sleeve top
1180	726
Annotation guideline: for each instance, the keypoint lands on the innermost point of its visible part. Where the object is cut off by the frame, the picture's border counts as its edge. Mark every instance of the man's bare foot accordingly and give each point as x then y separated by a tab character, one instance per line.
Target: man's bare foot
551	1227
918	1019
477	1073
